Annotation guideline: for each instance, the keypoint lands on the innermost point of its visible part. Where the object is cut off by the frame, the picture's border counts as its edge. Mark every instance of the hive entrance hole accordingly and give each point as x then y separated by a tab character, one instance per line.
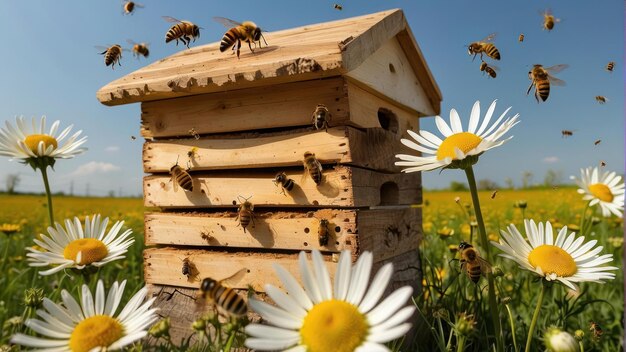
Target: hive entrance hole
389	193
388	120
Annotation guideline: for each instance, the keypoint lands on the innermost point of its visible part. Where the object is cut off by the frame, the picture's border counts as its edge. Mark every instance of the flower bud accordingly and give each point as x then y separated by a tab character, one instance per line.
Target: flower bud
33	297
161	328
465	324
560	341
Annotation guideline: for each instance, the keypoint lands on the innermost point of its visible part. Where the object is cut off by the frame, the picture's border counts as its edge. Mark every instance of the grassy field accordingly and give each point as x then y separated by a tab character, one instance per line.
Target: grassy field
447	291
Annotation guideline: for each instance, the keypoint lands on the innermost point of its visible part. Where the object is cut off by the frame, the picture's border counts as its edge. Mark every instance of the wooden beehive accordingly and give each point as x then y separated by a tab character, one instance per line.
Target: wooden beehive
253	118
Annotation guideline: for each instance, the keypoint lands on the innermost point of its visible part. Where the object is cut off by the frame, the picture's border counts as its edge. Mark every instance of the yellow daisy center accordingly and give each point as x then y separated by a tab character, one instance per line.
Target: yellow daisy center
91	249
32	141
334	325
601	191
465	141
96	331
553	259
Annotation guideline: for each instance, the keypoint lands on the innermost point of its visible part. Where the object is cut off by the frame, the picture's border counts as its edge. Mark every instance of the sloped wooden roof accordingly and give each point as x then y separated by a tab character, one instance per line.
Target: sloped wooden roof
308	52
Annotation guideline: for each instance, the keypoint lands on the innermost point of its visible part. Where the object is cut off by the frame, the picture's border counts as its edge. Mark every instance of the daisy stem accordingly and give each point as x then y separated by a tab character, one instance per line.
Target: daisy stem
512	322
460	344
533	323
484	243
583	218
44	174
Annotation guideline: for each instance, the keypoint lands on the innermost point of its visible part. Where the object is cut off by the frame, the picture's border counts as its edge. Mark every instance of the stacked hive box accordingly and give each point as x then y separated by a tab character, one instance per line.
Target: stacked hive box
237	122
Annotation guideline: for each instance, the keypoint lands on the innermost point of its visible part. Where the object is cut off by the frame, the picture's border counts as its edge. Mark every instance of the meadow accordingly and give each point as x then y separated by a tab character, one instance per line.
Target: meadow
450	305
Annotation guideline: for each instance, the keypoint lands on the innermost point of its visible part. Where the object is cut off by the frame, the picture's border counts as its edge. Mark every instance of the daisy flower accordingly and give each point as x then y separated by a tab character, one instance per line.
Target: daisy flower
30	144
605	189
557	340
459	148
90	326
320	317
75	247
565	259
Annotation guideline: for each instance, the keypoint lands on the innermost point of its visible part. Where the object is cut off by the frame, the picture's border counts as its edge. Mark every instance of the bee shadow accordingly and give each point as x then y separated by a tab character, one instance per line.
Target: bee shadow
261	231
265	49
328	189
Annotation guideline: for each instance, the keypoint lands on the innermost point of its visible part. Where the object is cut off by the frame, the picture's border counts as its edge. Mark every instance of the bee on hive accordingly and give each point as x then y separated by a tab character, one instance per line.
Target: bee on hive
181	177
247	32
285	182
323	234
183	30
321	117
313	167
227	300
245	213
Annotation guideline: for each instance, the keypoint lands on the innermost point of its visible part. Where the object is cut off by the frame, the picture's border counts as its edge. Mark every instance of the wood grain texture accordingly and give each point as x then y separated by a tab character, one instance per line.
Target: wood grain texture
163	266
283	105
277	230
341	187
373	149
304	53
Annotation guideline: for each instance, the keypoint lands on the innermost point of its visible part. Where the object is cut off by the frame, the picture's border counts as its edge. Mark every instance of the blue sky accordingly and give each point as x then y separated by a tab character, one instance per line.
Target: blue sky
50	67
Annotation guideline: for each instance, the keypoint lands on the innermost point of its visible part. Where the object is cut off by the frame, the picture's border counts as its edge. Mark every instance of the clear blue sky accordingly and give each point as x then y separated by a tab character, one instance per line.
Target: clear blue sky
49	66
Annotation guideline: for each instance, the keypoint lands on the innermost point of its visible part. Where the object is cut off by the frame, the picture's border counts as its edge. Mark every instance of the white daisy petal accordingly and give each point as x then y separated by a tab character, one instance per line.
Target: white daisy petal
605	190
292	332
443	127
567	259
455	121
60	322
474	118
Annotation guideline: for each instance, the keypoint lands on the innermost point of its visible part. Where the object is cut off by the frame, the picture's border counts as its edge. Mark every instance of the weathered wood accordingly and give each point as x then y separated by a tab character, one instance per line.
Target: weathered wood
341	187
279	230
283	105
163	266
305	53
373	149
389	72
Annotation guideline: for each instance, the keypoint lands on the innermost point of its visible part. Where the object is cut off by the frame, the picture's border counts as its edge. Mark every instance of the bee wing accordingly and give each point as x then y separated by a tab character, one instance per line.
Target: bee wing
130	41
174	182
555	81
484	265
171	19
139	5
226	22
495	68
556	68
234	278
489	38
101	47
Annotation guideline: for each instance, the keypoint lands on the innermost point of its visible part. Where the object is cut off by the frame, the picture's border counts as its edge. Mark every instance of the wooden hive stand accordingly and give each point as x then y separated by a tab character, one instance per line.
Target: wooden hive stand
237	122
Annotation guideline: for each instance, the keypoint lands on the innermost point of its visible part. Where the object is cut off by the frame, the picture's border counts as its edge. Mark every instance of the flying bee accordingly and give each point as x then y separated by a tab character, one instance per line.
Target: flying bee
129	6
285	182
183	30
521	37
112	55
313	167
245	213
338	7
490	70
567	133
224	298
601	99
133	138
602	163
321	117
610	66
181	177
192	131
493	195
541	78
247	32
192	153
484	46
323	233
472	262
596	329
139	49
549	20
597	142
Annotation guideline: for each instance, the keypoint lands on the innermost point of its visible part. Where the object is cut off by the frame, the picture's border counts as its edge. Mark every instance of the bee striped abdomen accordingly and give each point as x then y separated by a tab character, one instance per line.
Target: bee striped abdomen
491	51
174	33
230	301
543	89
229	39
288	185
244	218
474	273
182	178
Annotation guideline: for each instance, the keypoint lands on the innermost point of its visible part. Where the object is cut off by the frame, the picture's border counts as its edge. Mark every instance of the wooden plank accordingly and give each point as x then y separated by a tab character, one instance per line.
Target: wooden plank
341	187
388	233
283	105
389	72
163	266
302	53
373	149
277	230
